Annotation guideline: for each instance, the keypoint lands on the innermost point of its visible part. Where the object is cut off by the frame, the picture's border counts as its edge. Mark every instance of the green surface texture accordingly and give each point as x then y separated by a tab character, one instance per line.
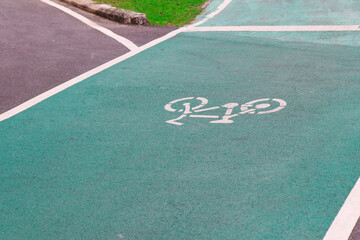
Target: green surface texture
285	12
99	161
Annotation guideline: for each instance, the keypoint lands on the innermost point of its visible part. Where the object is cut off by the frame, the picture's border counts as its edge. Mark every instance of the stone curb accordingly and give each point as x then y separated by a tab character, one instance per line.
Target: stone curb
109	12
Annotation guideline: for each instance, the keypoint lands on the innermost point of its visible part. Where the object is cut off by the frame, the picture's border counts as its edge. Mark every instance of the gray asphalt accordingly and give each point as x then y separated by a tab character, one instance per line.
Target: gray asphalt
355	235
42	47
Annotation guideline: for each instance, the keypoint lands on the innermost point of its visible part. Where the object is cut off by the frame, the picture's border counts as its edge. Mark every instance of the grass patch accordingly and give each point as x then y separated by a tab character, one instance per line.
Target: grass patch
162	12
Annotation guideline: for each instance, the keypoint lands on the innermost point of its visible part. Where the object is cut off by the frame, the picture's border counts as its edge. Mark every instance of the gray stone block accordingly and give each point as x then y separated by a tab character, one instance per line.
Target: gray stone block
109	12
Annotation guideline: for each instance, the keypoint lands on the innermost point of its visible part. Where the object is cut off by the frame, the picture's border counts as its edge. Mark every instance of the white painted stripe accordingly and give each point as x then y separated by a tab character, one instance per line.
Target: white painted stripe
347	217
207	109
220	8
311	28
126	42
204	116
71	82
62	87
82	77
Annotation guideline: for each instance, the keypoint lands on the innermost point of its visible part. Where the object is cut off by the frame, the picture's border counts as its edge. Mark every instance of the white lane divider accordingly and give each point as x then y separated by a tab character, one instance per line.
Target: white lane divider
219	9
347	217
310	28
259	106
134	50
62	87
124	41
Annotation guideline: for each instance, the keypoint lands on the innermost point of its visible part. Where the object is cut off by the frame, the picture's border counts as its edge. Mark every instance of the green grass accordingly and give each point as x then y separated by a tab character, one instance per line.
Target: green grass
162	12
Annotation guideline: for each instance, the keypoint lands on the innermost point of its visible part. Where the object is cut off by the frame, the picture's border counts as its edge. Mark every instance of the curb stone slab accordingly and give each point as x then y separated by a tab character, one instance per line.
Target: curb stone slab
109	12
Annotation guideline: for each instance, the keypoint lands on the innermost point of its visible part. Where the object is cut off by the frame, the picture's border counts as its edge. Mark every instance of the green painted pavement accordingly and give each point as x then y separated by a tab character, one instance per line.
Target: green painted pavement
289	13
325	38
99	160
285	12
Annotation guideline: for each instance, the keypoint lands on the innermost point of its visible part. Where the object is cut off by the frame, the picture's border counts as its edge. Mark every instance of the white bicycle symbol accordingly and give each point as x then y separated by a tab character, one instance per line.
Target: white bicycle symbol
259	106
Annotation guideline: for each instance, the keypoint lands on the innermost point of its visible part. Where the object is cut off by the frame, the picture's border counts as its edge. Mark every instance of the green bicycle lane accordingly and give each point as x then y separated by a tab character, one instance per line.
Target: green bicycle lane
99	160
284	13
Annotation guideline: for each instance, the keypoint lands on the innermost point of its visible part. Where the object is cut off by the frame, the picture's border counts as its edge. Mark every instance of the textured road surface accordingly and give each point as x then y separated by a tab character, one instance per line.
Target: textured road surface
100	160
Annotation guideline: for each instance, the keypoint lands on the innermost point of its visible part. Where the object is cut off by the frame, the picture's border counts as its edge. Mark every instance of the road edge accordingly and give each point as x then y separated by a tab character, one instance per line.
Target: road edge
109	12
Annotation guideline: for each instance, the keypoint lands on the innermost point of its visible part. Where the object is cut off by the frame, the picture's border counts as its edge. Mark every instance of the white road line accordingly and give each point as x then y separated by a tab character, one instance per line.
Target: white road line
126	42
62	87
347	217
81	77
206	109
134	50
220	8
203	116
310	28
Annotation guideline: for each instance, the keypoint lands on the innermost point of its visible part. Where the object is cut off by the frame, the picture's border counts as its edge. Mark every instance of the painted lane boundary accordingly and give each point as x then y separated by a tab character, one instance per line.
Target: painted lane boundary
133	51
22	107
109	12
124	41
219	9
310	28
347	217
61	87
